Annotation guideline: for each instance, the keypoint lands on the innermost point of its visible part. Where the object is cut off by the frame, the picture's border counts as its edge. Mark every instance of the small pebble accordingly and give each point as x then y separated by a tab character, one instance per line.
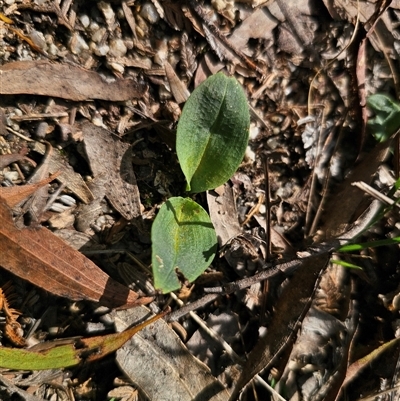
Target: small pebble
101	310
108	12
41	130
52	49
277	118
249	155
98	35
38	39
101	221
54	330
58	207
93	328
49	39
77	44
272	142
117	48
101	50
149	13
11	176
107	319
120	13
94	26
254	131
67	200
117	67
285	192
85	20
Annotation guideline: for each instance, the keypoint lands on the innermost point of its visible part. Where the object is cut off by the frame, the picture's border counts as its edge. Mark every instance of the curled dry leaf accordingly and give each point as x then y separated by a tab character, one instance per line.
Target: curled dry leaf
161	366
111	158
40	257
67	176
65	81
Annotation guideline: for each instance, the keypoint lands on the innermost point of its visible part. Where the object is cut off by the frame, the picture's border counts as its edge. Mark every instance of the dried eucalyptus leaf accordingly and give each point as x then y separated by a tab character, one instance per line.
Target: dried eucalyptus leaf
160	365
67	81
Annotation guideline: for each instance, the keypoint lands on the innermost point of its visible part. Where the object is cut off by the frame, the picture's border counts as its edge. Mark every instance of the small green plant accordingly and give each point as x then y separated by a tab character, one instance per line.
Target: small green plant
387	116
384	123
211	140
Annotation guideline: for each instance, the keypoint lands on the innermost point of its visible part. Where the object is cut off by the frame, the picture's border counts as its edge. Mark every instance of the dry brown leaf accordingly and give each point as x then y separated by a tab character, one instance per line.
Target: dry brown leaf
40	257
291	308
258	25
87	214
223	214
356	367
346	204
35	205
12	196
65	81
130	19
323	341
111	158
72	180
188	56
178	88
160	365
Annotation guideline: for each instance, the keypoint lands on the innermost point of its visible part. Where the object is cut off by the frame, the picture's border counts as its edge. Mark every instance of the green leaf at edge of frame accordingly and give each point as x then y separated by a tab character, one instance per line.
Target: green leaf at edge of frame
387	116
66	355
371	244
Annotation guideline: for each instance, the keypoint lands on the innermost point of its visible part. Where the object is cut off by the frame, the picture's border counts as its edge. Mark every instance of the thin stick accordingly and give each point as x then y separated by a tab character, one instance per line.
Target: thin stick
232	354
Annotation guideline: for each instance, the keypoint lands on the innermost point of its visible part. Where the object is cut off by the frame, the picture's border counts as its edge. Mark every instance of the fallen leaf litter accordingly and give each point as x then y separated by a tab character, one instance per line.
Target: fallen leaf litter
109	65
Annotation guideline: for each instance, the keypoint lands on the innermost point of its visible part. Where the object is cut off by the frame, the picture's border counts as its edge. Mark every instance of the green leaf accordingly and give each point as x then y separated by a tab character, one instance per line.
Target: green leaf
371	244
57	354
346	264
213	132
183	239
387	117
